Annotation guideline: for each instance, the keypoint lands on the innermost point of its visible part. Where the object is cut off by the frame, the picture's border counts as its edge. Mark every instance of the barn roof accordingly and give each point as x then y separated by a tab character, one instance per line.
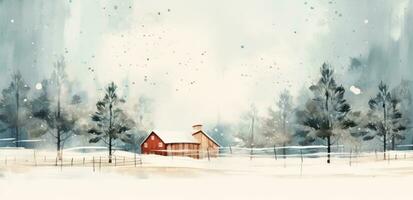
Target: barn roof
170	137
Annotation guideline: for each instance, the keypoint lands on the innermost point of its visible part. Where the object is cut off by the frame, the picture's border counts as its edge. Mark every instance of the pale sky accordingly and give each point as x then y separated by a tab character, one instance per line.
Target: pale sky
196	59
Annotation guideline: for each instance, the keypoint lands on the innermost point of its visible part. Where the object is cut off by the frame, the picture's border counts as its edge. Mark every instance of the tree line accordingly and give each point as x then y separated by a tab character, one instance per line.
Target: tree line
55	112
327	118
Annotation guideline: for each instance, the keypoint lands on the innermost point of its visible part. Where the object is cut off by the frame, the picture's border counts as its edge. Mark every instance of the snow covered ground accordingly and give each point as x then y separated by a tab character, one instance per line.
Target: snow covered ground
235	177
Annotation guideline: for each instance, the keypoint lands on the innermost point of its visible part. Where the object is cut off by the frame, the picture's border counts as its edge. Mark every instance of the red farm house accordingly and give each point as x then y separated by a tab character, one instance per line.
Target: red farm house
171	143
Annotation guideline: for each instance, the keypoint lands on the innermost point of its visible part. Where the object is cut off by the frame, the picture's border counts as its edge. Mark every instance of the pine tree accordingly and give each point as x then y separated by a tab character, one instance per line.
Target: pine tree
55	116
110	121
385	119
54	108
326	115
277	126
14	106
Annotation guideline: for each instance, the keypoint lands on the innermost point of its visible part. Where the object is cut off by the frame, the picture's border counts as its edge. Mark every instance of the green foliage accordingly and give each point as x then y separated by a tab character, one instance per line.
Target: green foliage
54	109
385	117
14	106
327	114
110	121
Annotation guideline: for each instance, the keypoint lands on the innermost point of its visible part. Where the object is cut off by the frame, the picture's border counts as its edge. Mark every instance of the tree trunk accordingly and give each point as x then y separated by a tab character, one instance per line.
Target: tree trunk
328	149
134	152
58	134
110	133
58	142
252	136
110	149
384	146
17	135
328	137
385	131
393	141
17	115
285	136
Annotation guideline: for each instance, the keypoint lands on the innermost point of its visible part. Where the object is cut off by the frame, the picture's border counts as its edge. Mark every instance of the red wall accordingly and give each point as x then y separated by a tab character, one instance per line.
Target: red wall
153	145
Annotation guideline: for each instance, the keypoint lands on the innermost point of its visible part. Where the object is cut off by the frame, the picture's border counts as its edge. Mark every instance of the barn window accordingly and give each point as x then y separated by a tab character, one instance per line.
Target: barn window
160	144
145	145
152	137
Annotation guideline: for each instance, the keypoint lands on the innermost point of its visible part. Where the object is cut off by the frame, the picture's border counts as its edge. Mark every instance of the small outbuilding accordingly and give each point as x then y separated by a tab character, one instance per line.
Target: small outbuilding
207	145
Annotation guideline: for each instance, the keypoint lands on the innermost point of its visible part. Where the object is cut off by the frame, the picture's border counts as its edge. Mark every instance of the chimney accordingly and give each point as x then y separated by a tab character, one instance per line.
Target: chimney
197	127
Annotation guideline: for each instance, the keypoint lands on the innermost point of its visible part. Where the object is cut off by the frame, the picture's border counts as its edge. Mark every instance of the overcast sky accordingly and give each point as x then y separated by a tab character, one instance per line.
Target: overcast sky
197	59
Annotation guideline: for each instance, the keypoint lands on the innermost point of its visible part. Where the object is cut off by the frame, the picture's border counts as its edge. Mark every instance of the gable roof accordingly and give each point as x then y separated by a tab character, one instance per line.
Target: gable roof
209	137
171	137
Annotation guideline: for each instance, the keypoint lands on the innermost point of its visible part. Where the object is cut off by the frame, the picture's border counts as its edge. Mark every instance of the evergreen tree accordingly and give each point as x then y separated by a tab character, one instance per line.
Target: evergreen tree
110	121
385	119
56	115
404	91
326	115
14	106
54	109
277	126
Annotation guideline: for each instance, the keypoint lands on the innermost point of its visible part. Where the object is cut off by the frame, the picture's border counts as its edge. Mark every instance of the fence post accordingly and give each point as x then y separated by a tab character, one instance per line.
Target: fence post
55	164
275	153
388	158
93	161
71	163
350	157
208	154
302	160
252	149
115	161
100	163
83	161
34	157
61	164
134	158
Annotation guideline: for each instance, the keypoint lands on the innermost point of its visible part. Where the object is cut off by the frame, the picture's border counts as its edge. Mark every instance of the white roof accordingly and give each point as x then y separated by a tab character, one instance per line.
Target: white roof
175	136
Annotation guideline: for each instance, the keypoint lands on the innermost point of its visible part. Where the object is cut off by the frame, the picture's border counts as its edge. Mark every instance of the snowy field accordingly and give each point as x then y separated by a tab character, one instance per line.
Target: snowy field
28	174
